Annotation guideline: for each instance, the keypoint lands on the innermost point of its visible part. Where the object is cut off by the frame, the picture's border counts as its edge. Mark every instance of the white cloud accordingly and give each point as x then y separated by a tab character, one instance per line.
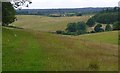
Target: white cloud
72	3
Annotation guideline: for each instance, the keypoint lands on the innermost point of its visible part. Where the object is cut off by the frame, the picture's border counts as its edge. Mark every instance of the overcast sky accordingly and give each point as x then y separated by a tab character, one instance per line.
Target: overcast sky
44	4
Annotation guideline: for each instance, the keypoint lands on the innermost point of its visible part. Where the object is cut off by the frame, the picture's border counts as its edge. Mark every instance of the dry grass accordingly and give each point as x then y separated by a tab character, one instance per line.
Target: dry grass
44	23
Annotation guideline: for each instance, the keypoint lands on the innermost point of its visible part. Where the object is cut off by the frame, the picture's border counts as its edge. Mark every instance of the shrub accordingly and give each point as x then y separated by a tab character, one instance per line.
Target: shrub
116	26
98	28
81	26
91	22
108	27
71	27
78	14
92	32
76	28
59	32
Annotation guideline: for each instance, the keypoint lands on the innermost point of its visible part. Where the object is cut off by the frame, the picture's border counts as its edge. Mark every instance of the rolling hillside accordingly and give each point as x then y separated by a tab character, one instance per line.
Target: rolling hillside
25	50
44	23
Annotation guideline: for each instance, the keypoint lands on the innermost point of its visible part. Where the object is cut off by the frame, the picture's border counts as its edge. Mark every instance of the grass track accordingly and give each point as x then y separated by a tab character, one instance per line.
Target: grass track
25	50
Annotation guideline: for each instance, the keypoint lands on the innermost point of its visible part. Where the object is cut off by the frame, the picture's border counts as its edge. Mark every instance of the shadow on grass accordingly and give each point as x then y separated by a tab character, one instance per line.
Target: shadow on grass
14	27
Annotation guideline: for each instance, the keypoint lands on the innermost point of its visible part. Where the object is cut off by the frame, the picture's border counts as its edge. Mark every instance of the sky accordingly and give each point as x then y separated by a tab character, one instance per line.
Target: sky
53	4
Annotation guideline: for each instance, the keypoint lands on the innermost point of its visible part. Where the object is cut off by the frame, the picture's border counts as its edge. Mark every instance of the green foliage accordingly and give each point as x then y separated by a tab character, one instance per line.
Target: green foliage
98	28
108	16
108	27
71	27
8	13
116	26
91	22
77	28
78	14
81	27
92	32
54	15
59	32
70	14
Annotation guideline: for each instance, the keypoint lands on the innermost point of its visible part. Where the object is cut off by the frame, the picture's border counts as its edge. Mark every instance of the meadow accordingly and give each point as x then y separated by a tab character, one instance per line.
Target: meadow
44	23
35	49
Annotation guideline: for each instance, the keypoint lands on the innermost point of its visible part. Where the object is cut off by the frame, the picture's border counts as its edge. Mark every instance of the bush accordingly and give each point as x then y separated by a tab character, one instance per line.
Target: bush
59	32
70	33
116	26
81	26
91	22
71	27
54	15
98	28
92	32
78	14
76	28
108	27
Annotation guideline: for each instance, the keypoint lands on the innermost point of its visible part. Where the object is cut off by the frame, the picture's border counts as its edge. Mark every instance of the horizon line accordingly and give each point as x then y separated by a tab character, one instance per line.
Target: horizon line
72	8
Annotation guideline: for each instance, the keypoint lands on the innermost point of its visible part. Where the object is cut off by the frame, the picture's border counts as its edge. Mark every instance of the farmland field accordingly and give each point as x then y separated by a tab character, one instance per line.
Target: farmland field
34	49
44	23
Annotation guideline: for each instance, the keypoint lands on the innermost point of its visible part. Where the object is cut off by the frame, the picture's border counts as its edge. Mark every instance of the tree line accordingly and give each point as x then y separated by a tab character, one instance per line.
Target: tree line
108	18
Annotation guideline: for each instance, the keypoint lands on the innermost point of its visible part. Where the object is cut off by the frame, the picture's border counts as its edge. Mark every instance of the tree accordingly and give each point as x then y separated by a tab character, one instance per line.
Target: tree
71	27
81	27
78	14
76	28
18	4
108	27
91	22
8	13
108	16
98	28
116	26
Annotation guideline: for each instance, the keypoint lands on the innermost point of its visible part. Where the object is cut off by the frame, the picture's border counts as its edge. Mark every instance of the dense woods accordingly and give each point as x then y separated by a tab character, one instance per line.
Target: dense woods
108	16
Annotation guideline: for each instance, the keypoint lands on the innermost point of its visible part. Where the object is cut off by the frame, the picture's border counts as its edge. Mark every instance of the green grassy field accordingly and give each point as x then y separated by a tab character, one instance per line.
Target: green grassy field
35	49
28	50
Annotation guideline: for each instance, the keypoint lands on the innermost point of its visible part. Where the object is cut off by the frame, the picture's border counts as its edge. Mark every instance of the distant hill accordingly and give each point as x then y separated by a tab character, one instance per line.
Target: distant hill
58	11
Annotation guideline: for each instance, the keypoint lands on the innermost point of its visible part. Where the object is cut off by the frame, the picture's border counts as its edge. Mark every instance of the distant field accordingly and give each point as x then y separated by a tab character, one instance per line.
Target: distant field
44	23
34	49
27	50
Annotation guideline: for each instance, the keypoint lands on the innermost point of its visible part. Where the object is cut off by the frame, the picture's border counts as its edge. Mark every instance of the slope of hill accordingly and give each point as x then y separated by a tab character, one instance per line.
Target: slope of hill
25	50
44	23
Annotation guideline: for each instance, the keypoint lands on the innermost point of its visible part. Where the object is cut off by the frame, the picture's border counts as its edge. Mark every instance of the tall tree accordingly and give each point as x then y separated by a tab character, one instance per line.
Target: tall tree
91	22
81	27
8	13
